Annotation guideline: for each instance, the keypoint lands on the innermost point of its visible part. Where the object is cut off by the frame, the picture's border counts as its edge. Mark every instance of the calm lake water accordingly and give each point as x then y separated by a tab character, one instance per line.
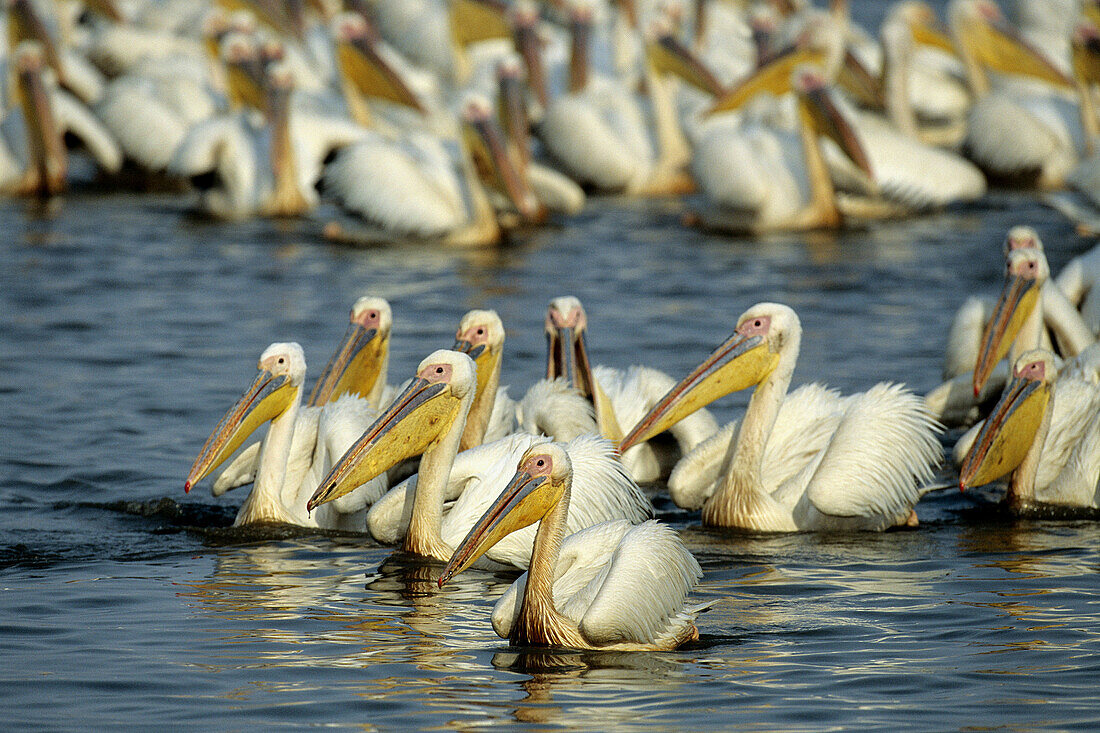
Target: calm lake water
129	327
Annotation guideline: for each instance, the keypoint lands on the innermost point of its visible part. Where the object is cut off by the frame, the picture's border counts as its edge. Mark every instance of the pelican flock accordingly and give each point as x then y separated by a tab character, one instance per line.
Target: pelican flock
460	122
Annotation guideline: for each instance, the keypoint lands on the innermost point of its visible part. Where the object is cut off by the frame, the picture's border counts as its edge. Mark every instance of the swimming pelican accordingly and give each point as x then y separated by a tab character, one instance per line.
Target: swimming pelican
1028	129
1050	463
358	368
429	418
611	586
954	401
600	134
280	488
33	157
867	476
270	171
492	415
618	397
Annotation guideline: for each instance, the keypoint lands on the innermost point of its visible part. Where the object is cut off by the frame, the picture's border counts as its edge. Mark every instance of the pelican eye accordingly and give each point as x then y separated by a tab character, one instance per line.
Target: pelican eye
281	360
481	332
439	370
540	463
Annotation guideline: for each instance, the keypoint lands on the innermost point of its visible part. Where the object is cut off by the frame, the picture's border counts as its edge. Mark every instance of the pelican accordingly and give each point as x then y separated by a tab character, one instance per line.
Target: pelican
358	368
1030	129
33	158
954	400
1050	463
865	477
492	415
280	488
600	134
429	418
270	171
610	586
618	397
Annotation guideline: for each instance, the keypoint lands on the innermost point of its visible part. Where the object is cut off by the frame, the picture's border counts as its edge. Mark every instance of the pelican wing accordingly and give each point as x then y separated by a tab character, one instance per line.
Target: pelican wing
1076	403
883	449
147	129
582	557
640	593
389	185
1078	483
74	118
552	407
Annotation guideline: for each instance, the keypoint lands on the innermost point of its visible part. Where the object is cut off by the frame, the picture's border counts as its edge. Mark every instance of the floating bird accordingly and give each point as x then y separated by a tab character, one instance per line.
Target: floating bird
429	418
618	397
868	473
277	492
610	586
357	369
1051	462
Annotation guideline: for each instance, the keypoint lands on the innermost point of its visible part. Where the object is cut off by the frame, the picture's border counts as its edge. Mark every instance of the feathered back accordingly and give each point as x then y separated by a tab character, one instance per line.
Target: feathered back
552	407
883	449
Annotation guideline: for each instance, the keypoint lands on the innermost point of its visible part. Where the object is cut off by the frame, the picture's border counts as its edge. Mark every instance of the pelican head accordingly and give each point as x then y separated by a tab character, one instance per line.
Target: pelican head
481	335
26	24
414	422
1022	237
818	109
668	55
276	388
362	63
1025	272
361	359
1008	433
566	354
543	476
821	45
495	166
524	17
745	359
923	26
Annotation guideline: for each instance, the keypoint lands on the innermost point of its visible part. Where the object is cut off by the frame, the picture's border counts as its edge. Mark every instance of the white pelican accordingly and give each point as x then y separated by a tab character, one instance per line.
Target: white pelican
270	171
429	418
358	368
761	176
1051	462
953	402
611	586
1028	129
600	134
618	397
280	490
33	157
867	475
493	414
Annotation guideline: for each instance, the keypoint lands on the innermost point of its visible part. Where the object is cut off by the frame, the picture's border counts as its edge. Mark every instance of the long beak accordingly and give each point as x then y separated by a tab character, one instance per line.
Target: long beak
529	47
411	425
1018	298
47	147
932	37
739	362
484	359
773	77
1007	433
496	167
354	367
267	398
512	111
361	63
567	356
669	56
1000	47
831	122
244	85
522	503
478	20
858	81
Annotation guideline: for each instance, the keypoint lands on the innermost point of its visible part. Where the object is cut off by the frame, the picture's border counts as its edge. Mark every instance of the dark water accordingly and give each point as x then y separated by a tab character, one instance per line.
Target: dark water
127	328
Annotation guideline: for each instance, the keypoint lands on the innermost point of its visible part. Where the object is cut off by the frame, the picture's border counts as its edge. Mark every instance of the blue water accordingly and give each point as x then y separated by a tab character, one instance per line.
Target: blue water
129	327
